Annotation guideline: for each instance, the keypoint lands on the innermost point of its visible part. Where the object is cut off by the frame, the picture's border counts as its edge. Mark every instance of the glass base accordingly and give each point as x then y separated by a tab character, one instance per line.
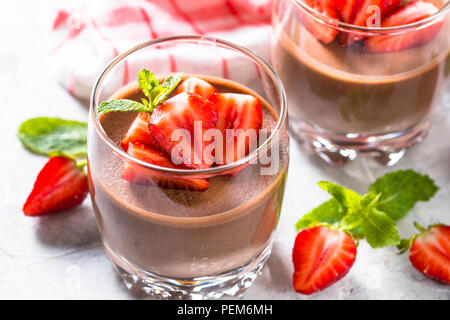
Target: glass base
233	283
386	149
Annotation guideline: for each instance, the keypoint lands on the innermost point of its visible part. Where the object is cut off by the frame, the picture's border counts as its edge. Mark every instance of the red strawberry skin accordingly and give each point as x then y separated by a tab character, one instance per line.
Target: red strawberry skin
139	132
364	13
236	111
320	31
347	9
180	112
360	13
60	185
198	86
430	253
144	176
412	12
321	257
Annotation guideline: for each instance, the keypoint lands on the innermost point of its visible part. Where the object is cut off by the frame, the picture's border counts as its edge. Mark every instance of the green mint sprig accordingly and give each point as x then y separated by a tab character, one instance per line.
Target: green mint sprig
372	216
400	190
122	105
155	91
54	136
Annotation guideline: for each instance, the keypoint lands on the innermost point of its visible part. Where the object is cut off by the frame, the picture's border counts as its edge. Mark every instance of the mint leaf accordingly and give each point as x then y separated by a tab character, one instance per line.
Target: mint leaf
147	81
349	199
330	212
145	103
54	136
161	92
379	229
351	222
121	105
400	190
370	199
155	92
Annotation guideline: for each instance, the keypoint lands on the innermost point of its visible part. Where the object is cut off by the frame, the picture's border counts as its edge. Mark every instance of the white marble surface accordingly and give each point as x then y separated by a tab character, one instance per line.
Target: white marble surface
61	256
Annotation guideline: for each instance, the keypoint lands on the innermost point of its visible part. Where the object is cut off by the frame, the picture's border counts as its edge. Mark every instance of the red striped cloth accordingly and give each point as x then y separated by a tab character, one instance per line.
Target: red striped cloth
87	38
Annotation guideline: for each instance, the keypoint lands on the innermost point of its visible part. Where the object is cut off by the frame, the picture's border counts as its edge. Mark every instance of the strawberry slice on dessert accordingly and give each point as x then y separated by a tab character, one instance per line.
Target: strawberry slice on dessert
191	115
241	116
60	185
319	30
139	131
321	257
347	9
412	12
198	86
364	13
430	251
145	176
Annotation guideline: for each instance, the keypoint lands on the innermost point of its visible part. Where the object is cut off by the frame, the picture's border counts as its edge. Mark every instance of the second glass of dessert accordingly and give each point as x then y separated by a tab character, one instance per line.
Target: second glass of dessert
361	75
187	165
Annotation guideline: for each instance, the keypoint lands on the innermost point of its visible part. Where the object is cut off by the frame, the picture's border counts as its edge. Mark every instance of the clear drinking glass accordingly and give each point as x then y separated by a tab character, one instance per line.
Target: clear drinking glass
189	244
344	100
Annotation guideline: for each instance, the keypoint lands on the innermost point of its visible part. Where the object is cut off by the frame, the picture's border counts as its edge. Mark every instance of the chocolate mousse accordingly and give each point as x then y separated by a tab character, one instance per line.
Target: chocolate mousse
180	233
356	90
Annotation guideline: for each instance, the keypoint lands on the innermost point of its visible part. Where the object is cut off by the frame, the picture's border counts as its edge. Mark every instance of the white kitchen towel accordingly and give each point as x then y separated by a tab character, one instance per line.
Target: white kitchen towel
88	37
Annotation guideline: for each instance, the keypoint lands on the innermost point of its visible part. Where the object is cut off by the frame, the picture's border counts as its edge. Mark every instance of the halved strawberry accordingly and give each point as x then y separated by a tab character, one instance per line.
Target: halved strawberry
321	257
184	111
139	131
409	13
144	176
238	112
319	30
198	86
60	185
364	13
430	252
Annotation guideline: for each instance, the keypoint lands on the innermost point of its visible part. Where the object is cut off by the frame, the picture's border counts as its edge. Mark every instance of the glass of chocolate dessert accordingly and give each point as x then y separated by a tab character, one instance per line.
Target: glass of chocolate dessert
361	76
187	160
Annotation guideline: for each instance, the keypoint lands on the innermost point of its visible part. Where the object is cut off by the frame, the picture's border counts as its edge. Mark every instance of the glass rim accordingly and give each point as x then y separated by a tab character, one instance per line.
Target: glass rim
189	38
334	23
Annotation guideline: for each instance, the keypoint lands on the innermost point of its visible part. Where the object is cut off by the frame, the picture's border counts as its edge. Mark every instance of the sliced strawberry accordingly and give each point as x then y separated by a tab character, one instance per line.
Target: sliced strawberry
144	176
347	9
365	16
181	112
321	257
198	86
139	131
363	13
430	253
236	111
60	185
409	13
320	30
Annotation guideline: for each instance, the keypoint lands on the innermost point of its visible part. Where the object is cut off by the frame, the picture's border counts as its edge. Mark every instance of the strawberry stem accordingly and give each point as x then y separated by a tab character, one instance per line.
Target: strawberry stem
82	163
419	227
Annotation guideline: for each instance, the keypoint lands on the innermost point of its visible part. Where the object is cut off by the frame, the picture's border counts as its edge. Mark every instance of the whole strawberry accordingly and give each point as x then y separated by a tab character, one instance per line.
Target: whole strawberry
429	251
322	255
